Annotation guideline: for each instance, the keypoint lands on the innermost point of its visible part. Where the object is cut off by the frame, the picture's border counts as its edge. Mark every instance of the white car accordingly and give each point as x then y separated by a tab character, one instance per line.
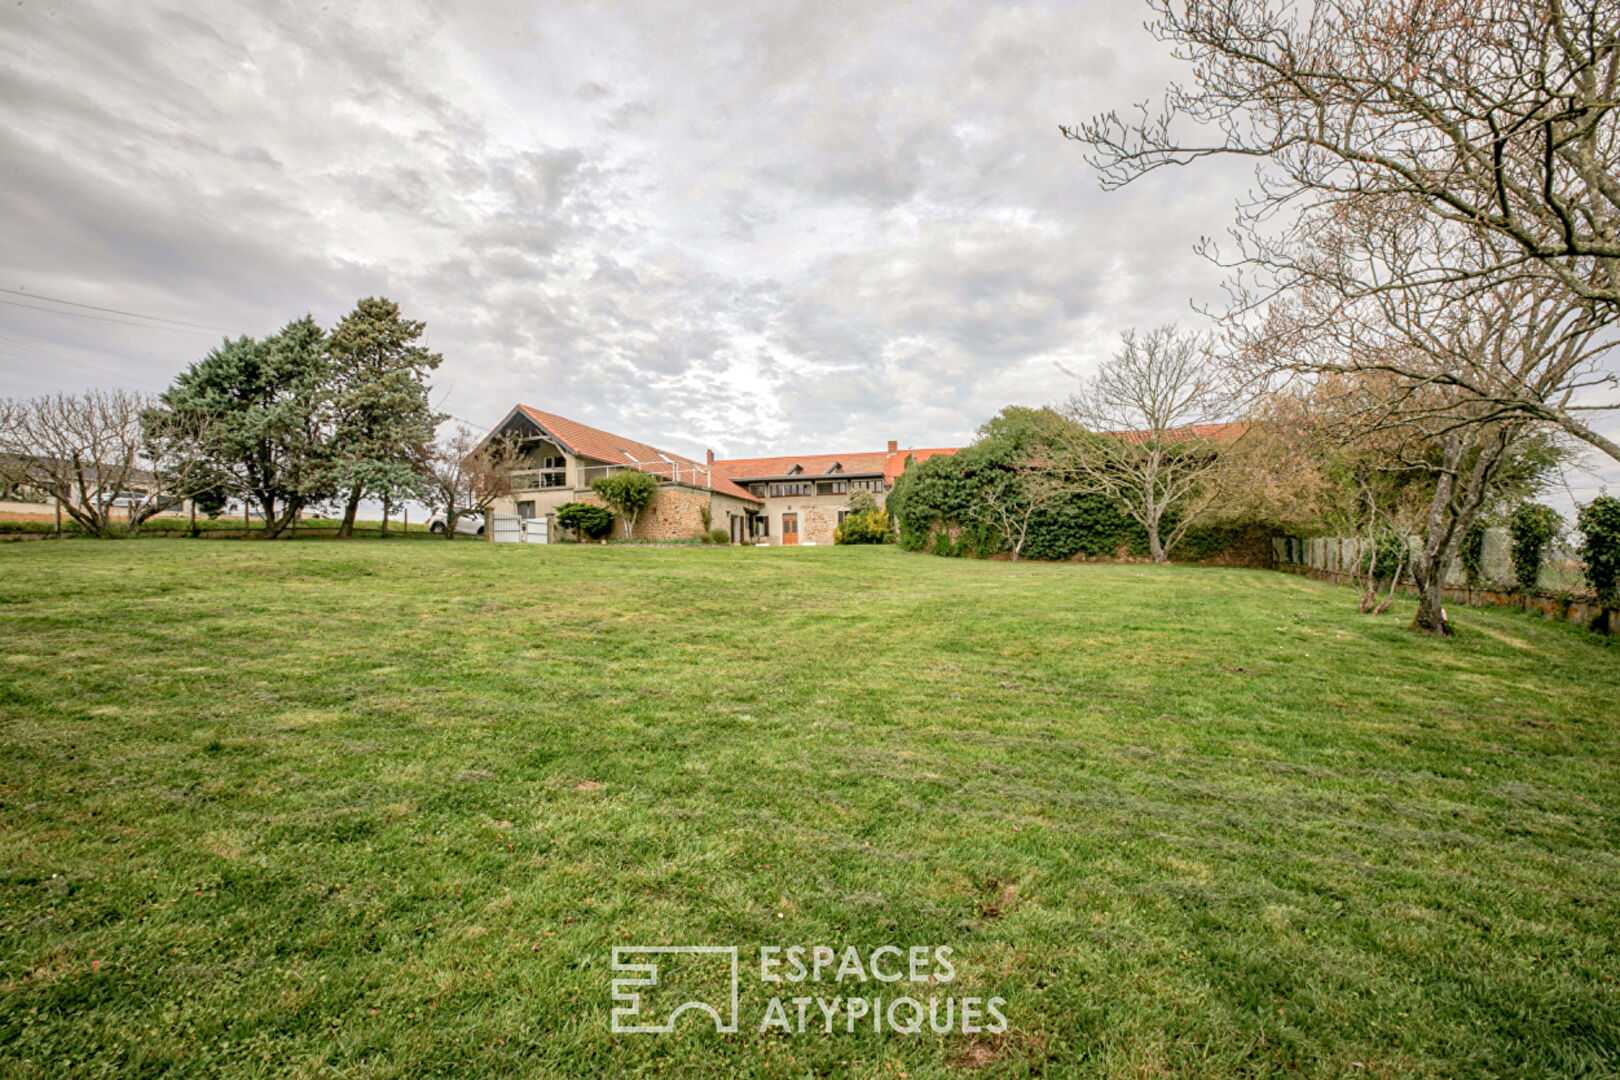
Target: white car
468	523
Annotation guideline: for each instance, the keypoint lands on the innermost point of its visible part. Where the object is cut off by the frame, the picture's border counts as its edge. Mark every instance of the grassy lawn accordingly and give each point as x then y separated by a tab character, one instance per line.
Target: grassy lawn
376	809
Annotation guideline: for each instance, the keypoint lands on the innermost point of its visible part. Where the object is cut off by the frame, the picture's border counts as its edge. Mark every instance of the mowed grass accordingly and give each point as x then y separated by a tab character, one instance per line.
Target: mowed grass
384	809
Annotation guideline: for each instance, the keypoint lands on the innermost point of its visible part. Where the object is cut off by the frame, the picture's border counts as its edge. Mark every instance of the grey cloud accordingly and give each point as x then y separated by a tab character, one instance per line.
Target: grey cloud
744	227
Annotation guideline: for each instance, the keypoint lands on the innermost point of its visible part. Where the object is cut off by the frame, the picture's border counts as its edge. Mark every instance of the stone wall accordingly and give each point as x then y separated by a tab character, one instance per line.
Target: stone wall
675	513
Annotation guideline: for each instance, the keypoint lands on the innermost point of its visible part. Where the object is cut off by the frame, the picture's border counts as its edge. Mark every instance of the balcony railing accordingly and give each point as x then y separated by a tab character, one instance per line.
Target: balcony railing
676	471
673	471
539	479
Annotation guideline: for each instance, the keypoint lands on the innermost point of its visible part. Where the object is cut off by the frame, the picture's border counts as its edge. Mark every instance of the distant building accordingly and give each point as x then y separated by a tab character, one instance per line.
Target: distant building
783	499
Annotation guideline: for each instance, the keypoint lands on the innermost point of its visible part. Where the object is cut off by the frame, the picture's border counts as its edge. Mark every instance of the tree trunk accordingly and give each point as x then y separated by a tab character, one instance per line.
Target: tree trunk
1451	515
1155	545
1431	612
275	524
346	530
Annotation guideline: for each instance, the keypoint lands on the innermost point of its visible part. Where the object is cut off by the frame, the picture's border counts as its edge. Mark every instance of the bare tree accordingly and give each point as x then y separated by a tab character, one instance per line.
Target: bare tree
102	459
1546	361
1008	497
1498	117
462	475
1464	376
1146	421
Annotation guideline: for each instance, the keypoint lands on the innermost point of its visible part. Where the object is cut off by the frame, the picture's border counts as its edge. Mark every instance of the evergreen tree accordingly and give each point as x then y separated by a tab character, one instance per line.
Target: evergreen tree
269	403
380	404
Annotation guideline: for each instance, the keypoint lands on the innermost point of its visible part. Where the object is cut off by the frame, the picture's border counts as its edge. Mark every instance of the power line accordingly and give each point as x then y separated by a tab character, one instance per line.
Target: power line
102	318
115	311
7	352
87	366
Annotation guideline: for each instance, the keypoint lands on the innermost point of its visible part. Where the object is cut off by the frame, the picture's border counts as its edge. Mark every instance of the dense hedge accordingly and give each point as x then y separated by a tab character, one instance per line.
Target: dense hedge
932	503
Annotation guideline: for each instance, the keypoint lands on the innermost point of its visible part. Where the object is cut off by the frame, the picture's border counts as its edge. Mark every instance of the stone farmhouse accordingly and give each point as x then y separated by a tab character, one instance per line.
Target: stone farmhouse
783	500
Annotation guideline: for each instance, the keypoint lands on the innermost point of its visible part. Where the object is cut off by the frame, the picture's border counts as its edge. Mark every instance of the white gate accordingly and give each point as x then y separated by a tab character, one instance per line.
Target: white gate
535	531
508	528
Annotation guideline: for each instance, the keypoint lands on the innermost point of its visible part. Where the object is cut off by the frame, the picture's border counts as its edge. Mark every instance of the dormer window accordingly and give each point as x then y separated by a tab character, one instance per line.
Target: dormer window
795	471
835	467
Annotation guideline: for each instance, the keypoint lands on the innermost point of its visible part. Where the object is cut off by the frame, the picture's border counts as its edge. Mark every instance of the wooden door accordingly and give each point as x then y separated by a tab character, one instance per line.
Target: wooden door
790	529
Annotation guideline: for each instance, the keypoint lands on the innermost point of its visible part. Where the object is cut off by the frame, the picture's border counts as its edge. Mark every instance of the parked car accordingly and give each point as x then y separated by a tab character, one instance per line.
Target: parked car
467	524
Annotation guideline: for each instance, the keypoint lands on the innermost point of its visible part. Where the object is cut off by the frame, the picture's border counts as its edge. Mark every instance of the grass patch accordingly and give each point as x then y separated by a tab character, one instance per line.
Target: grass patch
384	810
223	524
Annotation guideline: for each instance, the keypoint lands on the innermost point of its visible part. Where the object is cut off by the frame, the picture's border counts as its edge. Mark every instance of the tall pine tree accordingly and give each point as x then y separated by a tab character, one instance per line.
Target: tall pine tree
380	404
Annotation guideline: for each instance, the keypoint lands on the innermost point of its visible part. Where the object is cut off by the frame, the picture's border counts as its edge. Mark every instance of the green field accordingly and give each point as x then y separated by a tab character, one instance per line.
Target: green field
384	809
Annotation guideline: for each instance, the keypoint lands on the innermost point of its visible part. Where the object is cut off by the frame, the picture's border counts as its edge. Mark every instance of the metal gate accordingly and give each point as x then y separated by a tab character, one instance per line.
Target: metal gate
508	528
536	531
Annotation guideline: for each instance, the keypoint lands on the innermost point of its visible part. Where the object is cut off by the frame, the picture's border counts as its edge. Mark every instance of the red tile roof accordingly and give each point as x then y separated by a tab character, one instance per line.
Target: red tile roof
602	445
897	461
869	463
1209	432
729	474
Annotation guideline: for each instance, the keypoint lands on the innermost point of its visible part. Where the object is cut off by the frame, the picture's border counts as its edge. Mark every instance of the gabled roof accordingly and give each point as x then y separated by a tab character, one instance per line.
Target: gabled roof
590	442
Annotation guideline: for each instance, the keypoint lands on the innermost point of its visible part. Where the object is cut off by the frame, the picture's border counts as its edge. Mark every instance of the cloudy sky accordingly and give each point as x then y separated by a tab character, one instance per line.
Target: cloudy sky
755	228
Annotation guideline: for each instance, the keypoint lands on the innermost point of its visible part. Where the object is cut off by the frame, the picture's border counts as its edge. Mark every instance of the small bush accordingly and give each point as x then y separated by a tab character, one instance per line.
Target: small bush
588	520
1533	527
863	527
719	536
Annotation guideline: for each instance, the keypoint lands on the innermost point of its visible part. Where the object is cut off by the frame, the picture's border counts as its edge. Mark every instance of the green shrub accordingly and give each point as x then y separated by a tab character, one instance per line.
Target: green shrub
864	527
1533	526
719	536
588	520
1599	522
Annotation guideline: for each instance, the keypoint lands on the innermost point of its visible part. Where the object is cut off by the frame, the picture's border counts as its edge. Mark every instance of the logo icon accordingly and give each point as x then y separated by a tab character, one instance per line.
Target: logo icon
628	1019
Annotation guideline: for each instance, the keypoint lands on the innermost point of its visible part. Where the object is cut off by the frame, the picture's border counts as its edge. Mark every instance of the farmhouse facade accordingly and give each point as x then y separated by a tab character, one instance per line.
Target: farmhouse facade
780	500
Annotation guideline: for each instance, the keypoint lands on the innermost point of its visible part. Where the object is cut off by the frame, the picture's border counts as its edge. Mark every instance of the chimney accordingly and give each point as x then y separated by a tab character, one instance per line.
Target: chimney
711	459
708	474
894	446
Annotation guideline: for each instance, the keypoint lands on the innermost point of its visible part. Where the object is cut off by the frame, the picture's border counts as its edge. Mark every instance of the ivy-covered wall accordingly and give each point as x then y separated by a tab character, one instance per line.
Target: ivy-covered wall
932	502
